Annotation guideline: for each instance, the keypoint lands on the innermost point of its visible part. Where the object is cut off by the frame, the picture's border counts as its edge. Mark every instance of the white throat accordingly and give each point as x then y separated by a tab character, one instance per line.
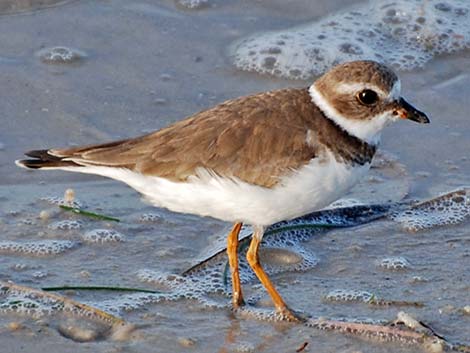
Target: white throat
366	130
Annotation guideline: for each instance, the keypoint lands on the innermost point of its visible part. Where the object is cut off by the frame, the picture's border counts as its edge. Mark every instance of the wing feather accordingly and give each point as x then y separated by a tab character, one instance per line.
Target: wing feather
257	139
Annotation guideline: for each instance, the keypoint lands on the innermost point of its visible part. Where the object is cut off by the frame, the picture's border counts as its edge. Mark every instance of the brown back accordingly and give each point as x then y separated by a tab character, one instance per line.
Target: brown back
258	139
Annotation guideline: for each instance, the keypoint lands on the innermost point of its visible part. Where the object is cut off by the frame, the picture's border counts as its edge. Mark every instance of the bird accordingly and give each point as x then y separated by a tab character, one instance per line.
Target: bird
255	160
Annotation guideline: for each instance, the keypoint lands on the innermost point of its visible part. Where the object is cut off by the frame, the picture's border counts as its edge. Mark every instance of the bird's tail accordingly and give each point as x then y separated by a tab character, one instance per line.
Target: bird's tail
44	159
104	154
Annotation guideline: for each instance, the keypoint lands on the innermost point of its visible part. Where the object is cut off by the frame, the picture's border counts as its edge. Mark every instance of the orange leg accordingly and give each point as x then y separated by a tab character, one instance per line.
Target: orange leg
253	260
232	252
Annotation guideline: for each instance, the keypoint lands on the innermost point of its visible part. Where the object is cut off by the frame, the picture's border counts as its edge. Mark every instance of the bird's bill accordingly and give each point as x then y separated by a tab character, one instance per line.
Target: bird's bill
406	111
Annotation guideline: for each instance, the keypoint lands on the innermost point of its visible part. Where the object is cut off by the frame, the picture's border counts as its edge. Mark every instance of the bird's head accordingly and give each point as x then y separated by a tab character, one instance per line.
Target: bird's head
363	97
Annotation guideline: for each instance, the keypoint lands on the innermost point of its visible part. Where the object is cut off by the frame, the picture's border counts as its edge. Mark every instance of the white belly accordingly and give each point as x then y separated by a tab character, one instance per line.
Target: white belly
313	187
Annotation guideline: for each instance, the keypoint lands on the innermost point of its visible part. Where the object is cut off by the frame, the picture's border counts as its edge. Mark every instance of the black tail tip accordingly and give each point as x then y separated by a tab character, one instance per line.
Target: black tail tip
29	163
43	159
39	159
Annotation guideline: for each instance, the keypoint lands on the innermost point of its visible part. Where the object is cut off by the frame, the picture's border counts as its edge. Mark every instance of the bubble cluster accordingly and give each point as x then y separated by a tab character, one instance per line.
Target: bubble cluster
245	347
151	217
192	4
169	280
394	263
60	55
24	305
448	209
61	201
260	314
194	286
36	248
129	302
349	295
40	274
175	287
66	224
94	323
281	251
103	236
403	33
284	253
209	281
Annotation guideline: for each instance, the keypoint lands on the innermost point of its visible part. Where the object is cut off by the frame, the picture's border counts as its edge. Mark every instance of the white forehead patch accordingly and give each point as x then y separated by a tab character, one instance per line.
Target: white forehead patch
355	87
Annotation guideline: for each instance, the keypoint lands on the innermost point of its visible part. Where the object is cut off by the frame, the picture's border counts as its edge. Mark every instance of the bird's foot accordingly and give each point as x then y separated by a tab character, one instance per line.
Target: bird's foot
290	315
237	303
281	314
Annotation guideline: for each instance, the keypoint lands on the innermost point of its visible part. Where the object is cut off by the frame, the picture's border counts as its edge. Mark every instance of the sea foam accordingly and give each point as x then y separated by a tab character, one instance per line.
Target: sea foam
402	33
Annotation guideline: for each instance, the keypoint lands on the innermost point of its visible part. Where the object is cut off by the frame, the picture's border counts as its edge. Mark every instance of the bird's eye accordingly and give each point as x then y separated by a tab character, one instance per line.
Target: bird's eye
367	97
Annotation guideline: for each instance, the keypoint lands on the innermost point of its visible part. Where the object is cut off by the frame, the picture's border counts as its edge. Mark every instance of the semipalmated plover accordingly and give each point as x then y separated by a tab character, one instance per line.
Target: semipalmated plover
257	159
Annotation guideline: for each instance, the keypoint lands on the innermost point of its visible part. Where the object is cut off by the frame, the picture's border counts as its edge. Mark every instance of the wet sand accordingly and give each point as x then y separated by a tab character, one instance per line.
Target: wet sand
148	64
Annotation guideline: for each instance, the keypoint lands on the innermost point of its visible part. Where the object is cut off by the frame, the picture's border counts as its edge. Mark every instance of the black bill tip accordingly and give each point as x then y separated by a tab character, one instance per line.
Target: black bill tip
406	111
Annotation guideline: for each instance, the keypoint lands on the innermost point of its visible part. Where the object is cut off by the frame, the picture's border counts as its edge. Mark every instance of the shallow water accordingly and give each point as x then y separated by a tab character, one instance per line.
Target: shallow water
144	64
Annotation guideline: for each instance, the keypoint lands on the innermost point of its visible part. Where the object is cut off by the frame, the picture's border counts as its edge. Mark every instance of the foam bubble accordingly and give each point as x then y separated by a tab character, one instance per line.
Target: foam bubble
60	55
37	248
93	323
405	34
61	201
245	347
40	274
209	282
394	263
192	4
103	236
189	287
27	221
21	267
66	224
448	209
279	252
151	217
22	305
349	295
260	314
128	302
